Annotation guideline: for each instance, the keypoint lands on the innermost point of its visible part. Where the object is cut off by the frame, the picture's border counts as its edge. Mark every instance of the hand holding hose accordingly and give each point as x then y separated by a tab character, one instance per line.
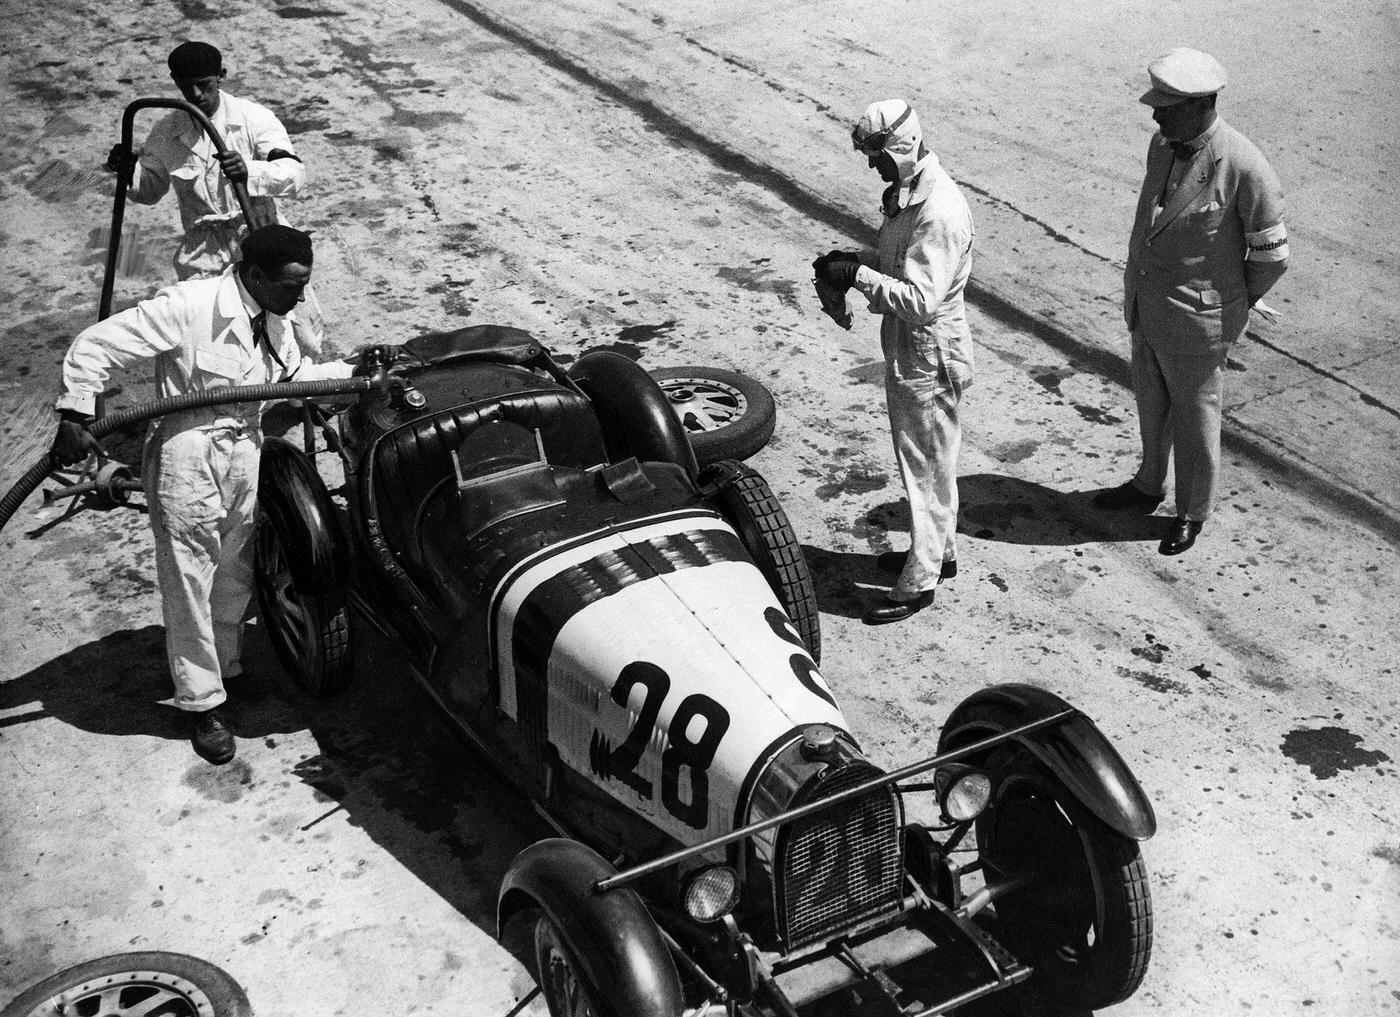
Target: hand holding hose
74	442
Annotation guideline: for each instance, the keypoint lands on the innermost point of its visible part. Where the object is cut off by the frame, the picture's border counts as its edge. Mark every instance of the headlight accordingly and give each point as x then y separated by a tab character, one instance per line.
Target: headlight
712	893
963	791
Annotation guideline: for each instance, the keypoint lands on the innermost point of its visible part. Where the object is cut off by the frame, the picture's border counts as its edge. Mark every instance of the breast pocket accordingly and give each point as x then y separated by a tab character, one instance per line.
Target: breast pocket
216	367
1205	221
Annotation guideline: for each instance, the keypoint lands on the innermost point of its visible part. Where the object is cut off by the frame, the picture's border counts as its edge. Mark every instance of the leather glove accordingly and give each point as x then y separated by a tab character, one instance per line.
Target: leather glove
837	268
119	156
372	359
833	298
73	443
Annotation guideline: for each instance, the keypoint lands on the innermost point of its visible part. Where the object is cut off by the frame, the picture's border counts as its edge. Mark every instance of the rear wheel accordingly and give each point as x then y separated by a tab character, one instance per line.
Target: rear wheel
751	507
557	971
309	632
1084	920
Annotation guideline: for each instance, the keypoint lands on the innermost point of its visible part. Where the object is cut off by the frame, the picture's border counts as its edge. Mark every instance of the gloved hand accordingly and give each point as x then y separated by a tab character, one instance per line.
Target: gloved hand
120	156
73	443
832	295
837	268
371	360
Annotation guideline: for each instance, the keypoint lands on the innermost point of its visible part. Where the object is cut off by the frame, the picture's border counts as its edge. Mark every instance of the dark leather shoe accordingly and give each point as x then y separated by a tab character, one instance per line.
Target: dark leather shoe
1180	535
1127	496
893	562
889	610
211	737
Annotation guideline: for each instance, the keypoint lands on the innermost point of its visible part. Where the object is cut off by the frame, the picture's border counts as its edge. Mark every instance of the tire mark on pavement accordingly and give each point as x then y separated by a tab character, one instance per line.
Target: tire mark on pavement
1270	455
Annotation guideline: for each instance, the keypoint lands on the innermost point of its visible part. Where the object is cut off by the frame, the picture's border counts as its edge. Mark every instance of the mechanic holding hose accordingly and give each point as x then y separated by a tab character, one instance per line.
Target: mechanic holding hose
200	467
915	281
177	155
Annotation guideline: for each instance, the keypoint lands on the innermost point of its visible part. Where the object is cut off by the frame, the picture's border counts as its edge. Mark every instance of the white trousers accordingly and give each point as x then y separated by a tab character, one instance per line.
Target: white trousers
201	488
1178	403
927	435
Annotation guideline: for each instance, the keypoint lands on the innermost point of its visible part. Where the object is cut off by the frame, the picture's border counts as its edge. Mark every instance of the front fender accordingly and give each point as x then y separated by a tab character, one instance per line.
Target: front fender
1075	750
621	956
295	500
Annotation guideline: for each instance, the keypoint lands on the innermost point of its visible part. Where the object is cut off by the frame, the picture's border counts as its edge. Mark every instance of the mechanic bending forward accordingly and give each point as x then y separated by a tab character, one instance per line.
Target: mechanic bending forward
915	281
200	467
1208	242
177	153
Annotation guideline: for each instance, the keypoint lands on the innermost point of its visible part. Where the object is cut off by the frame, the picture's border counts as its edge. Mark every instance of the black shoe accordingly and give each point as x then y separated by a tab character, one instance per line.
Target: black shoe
893	562
890	610
211	737
1180	535
245	687
1127	496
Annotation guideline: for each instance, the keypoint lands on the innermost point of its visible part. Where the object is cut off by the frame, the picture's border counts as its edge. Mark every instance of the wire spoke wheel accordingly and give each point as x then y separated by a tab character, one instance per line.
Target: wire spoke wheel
563	992
1084	921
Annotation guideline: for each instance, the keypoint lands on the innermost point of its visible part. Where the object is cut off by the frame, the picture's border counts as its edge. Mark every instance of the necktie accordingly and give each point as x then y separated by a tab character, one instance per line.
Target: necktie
260	336
1182	150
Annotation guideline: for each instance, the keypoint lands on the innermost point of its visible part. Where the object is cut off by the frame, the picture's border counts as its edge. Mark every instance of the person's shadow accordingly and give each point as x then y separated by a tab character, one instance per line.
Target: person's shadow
991	507
385	761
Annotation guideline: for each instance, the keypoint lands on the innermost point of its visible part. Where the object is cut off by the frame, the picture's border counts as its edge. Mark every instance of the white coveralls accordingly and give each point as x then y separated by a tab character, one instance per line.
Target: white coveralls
922	263
178	154
200	467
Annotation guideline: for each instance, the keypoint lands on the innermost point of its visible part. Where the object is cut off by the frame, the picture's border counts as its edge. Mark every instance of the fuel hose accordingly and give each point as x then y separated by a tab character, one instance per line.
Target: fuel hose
99	429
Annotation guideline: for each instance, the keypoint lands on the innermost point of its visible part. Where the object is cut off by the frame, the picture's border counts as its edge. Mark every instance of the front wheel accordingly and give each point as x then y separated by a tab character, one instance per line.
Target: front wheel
309	632
557	972
1083	920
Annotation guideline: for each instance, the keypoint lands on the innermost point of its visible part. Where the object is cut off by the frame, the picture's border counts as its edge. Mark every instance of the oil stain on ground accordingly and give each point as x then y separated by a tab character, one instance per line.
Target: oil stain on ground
1328	750
761	279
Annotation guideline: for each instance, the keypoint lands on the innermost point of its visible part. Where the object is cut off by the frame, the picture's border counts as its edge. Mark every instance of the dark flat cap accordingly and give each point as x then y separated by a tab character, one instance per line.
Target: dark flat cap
271	247
194	60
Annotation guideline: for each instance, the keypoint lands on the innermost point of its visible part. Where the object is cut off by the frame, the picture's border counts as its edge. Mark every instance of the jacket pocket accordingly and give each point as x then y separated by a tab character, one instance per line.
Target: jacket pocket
224	367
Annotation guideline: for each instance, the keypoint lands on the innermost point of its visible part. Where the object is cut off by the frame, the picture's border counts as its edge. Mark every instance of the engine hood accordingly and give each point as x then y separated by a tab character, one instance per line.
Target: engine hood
656	661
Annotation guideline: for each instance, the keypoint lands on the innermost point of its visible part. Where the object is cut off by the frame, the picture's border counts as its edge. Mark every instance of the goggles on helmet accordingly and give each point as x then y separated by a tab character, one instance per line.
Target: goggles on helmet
874	143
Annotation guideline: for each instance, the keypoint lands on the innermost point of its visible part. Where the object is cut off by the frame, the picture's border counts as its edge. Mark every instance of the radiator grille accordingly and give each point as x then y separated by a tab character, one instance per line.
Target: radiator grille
840	866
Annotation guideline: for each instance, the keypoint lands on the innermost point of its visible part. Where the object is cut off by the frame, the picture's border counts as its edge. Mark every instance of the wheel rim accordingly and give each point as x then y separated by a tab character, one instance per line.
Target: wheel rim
128	994
288	616
1055	918
563	992
703	404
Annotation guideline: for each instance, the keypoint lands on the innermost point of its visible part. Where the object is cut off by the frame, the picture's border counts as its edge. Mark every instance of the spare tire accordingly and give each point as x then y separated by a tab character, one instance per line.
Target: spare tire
727	415
172	984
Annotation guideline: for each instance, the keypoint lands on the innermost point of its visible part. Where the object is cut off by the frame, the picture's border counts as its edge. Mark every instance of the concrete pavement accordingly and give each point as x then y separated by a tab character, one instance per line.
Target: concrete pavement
609	174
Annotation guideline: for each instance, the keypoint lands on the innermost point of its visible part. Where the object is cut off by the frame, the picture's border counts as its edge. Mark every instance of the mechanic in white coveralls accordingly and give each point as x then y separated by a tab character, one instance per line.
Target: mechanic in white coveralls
200	467
178	155
915	280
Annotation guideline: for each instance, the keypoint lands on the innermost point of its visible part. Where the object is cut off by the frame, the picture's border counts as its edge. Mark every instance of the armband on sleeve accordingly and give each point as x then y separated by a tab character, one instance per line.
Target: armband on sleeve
1267	245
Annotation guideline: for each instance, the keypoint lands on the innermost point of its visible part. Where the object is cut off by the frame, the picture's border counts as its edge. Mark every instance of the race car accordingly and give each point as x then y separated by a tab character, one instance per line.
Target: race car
631	641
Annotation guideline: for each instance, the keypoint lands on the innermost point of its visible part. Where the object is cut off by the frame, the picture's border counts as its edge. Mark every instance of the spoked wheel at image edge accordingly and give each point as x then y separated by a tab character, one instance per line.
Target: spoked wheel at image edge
134	985
1083	918
727	415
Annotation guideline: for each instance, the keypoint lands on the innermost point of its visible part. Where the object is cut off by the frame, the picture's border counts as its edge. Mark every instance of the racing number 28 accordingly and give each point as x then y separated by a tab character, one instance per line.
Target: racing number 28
681	751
